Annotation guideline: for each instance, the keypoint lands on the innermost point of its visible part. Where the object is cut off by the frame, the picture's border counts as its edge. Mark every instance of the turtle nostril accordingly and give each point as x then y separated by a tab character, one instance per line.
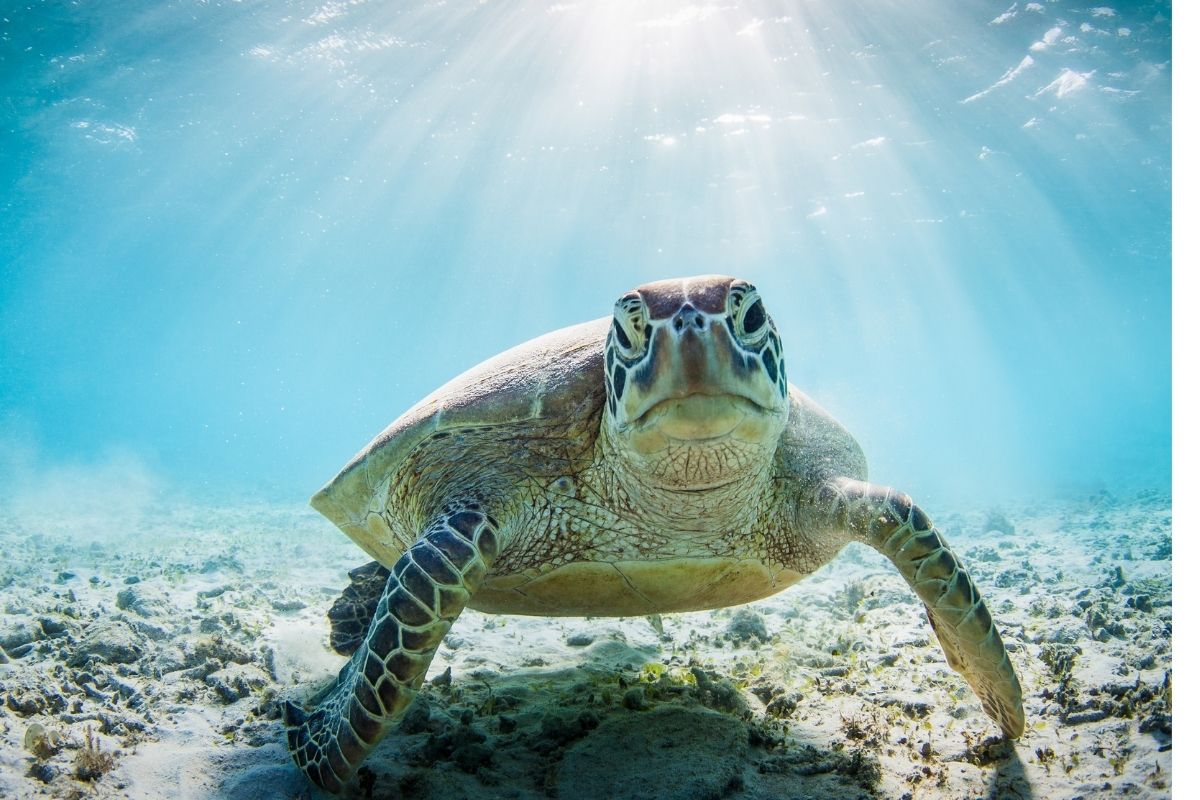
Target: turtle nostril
688	317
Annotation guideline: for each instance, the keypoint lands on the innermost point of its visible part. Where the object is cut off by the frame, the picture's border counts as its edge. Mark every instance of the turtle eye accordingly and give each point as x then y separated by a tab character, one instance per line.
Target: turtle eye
754	318
749	315
629	327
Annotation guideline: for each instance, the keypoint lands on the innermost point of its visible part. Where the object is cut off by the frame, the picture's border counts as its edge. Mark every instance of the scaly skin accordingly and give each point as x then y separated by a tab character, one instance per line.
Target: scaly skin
891	523
427	590
700	478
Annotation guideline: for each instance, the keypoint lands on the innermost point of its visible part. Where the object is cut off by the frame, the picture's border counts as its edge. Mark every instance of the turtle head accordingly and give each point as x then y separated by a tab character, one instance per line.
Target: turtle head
694	372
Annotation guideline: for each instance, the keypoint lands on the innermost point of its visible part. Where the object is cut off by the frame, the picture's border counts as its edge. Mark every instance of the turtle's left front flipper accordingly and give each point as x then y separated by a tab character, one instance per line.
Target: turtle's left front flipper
890	522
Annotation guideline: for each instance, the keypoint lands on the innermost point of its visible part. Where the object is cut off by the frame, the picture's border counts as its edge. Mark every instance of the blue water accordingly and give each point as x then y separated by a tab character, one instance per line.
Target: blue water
238	239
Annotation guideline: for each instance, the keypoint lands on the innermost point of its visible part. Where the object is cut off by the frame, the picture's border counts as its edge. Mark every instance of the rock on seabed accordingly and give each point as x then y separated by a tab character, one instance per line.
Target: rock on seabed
111	641
637	757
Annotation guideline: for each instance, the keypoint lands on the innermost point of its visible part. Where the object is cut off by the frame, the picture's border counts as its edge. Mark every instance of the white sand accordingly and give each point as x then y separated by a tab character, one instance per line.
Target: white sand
848	695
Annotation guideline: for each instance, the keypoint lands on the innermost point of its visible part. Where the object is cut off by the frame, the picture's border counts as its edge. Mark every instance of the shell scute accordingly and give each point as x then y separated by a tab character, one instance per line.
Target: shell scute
558	377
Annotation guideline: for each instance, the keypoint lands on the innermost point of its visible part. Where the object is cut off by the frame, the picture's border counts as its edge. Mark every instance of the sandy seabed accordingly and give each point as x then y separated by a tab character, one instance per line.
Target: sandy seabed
151	665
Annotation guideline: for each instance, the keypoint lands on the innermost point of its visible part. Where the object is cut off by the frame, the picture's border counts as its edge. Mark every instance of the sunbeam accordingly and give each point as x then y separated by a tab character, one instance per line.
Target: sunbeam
324	210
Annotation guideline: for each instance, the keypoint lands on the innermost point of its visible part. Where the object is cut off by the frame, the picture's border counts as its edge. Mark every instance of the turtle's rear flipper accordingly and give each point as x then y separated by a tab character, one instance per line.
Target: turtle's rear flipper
890	522
350	615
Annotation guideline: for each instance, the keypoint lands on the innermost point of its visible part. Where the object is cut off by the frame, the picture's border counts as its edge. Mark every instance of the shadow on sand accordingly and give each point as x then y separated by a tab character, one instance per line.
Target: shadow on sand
577	733
1009	780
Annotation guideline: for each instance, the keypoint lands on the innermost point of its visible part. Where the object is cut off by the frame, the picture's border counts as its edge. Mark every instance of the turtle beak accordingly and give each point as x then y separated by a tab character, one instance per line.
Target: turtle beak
694	348
691	355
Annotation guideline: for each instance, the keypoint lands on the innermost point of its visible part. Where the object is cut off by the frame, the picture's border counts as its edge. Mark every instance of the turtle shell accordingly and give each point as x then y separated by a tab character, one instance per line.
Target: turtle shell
473	436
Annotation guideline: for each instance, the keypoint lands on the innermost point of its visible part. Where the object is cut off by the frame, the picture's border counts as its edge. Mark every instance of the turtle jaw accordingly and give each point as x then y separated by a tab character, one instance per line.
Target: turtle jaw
697	417
689	446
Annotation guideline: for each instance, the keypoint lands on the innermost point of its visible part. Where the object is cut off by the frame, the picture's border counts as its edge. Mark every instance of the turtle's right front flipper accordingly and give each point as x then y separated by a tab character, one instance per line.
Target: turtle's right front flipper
427	590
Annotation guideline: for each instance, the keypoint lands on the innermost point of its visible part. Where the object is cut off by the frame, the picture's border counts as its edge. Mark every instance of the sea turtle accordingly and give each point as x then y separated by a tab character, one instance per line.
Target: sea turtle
653	461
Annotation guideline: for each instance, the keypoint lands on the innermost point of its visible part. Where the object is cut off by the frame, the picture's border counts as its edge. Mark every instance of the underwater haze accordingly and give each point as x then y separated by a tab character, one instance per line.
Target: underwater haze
237	239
